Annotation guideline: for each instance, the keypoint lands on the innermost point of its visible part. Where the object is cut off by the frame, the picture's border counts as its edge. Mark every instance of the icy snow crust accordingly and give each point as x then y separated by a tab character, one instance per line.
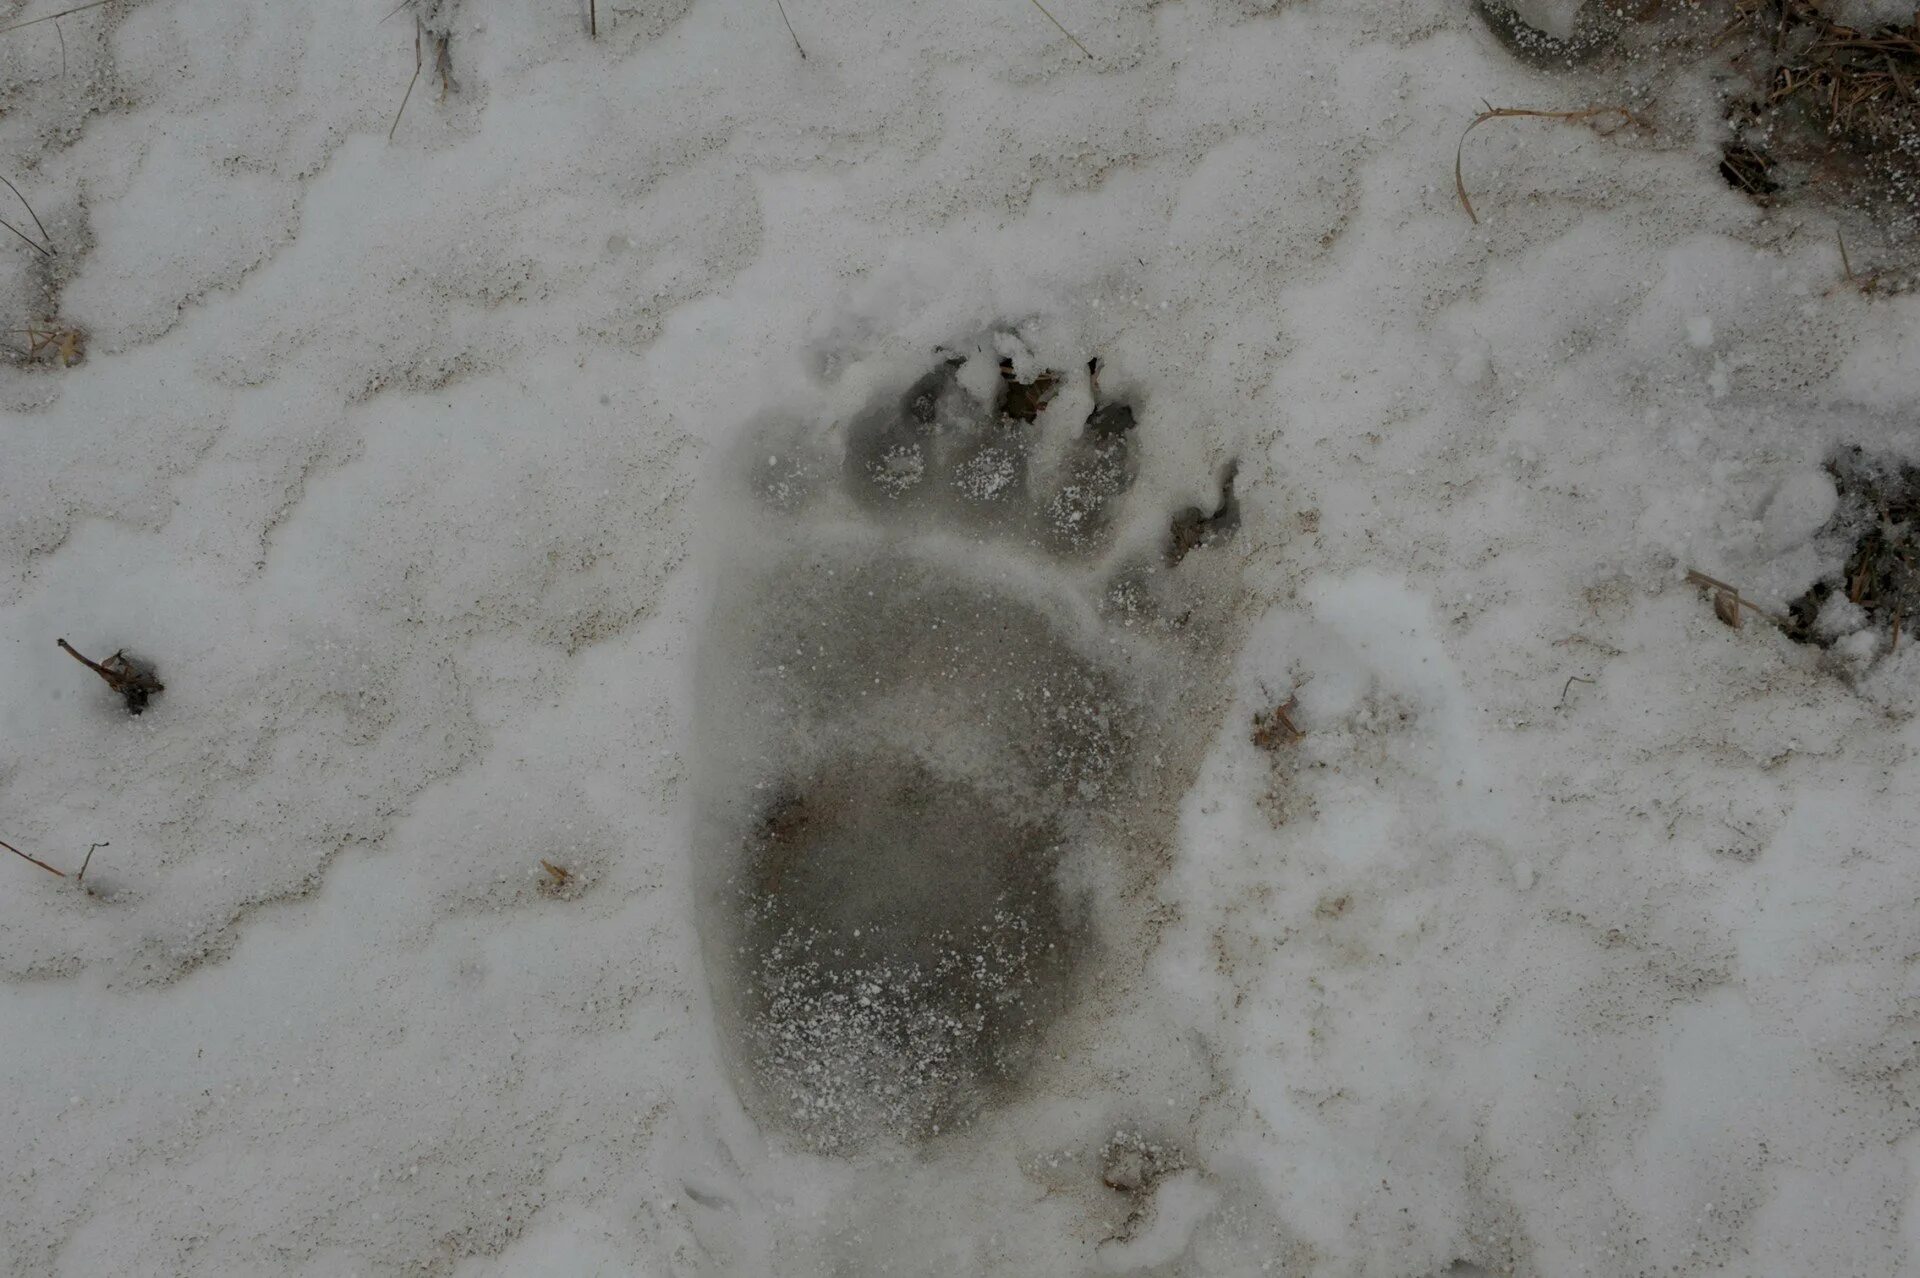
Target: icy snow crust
417	468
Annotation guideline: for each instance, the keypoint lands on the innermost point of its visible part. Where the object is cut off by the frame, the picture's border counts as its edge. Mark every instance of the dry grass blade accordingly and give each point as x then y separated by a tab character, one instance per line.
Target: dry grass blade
48	248
1063	31
24	857
1728	602
780	4
1512	113
53	17
416	79
593	19
33	244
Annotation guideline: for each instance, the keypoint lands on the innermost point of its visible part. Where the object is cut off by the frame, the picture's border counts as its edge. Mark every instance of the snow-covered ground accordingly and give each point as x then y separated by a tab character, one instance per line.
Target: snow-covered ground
1574	933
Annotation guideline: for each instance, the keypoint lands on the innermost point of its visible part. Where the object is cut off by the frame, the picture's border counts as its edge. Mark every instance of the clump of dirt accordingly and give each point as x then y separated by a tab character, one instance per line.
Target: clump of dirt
1025	401
1593	31
1130	1163
1879	520
1196	527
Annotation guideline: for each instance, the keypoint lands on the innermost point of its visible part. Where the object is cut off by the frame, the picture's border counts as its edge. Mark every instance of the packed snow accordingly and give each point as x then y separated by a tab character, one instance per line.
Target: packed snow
975	650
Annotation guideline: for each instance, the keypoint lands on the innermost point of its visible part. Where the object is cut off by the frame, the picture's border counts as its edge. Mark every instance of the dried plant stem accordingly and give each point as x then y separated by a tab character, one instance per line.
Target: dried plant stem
112	678
416	79
1063	31
1511	113
1732	597
52	17
24	857
88	860
781	5
593	20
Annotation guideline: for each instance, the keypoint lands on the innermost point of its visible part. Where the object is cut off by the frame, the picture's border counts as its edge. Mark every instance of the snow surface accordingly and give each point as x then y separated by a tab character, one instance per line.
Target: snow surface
1576	935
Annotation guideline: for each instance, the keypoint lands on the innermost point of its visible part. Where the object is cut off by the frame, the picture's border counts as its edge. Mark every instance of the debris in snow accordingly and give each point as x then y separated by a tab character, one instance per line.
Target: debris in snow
135	681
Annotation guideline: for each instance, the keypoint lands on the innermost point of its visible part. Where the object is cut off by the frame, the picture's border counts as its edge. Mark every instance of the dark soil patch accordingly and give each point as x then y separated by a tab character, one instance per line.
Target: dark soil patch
1879	520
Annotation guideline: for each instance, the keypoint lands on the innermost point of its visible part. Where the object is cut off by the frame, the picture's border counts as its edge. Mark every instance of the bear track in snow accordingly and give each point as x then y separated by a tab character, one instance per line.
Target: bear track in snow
952	688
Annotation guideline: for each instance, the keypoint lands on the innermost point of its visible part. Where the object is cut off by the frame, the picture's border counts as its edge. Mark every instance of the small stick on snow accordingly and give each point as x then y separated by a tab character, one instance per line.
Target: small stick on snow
24	857
1063	31
1510	113
1568	687
593	20
113	680
88	860
780	4
416	79
54	17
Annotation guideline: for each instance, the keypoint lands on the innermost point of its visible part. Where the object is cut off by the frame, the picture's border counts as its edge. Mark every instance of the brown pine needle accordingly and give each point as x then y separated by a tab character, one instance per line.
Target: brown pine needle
593	20
1510	113
779	4
24	857
50	18
416	79
1063	31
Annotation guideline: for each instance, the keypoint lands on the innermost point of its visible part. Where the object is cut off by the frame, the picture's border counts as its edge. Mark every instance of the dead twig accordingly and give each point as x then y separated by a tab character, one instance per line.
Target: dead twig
1063	31
88	860
593	20
36	860
416	79
1512	113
